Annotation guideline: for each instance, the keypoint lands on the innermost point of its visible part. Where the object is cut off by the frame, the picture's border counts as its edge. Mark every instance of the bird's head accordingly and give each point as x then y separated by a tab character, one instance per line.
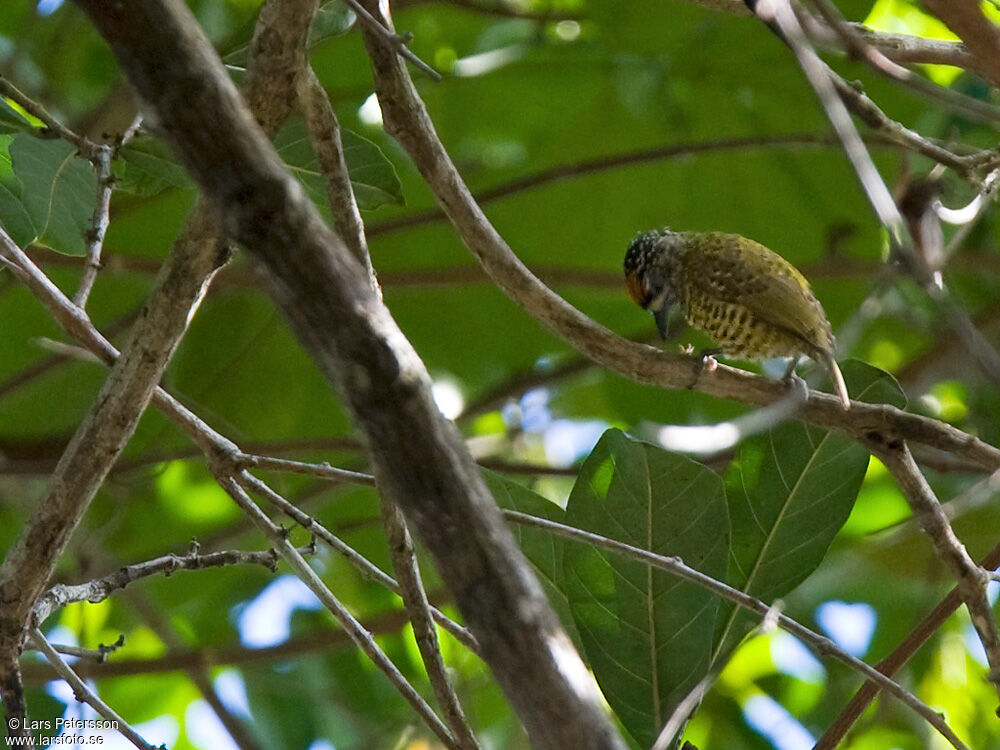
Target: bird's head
647	273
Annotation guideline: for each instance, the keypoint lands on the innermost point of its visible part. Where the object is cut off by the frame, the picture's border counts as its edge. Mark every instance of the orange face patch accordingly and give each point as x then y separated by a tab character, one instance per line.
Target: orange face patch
637	290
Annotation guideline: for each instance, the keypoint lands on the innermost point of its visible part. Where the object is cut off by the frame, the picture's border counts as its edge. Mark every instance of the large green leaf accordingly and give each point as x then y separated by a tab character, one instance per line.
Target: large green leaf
789	491
58	191
542	548
373	176
647	634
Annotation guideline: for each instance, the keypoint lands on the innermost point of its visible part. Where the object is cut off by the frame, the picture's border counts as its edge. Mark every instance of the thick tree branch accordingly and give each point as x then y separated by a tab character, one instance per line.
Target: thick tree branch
324	135
420	460
99	440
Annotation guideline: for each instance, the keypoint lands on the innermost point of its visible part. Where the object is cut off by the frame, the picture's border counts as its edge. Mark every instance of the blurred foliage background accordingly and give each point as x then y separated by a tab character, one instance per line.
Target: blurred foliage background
529	87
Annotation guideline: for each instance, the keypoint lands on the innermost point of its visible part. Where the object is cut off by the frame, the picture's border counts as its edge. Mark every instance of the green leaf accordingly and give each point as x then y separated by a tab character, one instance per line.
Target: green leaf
789	492
542	548
146	166
333	19
373	176
58	190
14	217
11	121
647	634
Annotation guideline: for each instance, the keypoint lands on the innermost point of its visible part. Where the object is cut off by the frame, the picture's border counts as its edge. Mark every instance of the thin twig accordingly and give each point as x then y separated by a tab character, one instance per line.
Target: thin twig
821	645
84	694
397	41
98	224
366	567
323	470
306	645
906	48
102	158
361	637
324	136
972	579
840	726
100	589
979	33
858	45
87	148
98	655
404	562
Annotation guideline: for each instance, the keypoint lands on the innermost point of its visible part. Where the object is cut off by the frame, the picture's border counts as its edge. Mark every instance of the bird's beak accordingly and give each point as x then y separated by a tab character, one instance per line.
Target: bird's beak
660	316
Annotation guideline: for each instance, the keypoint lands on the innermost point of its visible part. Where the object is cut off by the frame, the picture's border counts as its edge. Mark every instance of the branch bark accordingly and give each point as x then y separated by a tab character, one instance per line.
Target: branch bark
419	458
99	440
106	429
971	578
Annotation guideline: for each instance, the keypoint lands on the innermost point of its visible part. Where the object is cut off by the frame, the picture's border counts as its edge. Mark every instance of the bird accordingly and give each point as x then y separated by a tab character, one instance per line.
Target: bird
753	302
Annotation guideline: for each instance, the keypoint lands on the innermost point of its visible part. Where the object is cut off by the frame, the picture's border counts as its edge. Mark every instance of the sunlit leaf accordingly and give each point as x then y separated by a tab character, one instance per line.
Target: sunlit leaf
11	121
790	491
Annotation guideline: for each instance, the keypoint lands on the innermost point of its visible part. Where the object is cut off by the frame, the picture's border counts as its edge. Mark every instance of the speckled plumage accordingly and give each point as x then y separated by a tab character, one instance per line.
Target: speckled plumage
752	301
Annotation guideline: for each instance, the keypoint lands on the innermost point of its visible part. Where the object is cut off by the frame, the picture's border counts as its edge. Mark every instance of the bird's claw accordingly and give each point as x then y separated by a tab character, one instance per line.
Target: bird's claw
705	362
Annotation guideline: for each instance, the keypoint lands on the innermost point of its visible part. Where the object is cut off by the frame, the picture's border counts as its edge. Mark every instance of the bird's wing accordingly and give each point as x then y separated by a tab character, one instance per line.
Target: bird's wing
787	303
773	291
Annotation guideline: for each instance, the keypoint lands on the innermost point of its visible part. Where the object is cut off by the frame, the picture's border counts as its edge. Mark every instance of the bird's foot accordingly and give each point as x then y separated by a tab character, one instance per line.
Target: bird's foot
705	362
796	385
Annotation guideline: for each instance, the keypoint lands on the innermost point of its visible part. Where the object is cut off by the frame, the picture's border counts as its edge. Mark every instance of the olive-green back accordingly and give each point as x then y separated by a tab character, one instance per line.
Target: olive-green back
738	270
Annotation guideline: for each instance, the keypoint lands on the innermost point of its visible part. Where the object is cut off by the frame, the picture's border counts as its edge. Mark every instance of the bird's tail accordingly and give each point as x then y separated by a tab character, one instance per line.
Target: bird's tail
838	379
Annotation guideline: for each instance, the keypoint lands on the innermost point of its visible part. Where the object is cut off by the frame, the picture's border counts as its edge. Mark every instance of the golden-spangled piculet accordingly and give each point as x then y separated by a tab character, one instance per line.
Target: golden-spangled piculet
753	302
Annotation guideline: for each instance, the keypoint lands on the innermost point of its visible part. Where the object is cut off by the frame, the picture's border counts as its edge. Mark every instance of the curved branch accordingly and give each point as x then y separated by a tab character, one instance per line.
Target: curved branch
406	119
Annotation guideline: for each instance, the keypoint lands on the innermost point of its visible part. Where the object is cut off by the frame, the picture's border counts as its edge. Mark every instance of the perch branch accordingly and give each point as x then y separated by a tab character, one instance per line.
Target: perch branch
407	120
